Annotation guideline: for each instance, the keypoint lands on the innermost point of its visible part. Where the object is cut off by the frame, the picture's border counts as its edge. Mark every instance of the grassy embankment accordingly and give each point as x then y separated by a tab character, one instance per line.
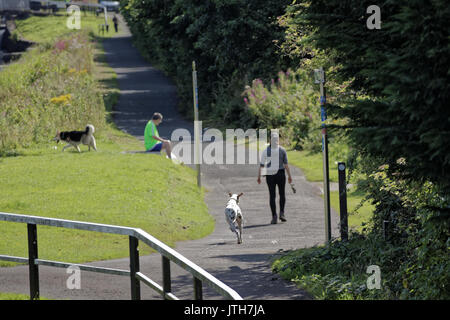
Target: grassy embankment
63	83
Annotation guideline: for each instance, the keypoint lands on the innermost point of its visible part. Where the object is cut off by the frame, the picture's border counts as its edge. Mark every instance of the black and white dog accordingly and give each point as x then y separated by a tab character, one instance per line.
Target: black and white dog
74	138
234	216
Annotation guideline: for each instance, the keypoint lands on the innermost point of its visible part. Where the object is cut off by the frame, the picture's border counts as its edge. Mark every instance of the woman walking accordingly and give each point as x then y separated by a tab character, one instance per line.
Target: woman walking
274	163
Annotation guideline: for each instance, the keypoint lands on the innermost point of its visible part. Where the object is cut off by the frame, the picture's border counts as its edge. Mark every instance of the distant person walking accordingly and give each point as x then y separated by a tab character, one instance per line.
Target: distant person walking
275	175
152	140
116	23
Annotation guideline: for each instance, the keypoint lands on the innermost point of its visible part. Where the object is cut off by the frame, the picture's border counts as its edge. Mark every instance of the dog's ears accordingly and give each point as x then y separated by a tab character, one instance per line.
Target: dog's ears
240	194
229	194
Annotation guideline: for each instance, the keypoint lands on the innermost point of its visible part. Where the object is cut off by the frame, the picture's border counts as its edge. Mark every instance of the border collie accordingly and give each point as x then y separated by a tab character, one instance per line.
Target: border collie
74	138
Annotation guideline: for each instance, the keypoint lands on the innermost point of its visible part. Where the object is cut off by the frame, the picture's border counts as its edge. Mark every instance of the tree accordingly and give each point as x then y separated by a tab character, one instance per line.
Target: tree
398	79
230	40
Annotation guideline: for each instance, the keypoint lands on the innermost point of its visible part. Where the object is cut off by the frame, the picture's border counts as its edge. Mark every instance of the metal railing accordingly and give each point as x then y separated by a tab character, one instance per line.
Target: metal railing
200	276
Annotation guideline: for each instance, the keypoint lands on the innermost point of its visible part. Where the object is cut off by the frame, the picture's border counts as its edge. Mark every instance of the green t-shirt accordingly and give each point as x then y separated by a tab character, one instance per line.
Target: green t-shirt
150	131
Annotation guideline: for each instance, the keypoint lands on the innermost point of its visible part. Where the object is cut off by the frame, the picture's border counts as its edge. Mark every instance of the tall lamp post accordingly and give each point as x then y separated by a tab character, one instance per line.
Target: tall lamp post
319	78
197	128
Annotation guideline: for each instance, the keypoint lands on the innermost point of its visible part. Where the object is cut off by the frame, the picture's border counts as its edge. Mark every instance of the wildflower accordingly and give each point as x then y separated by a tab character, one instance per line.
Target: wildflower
63	99
246	101
61	45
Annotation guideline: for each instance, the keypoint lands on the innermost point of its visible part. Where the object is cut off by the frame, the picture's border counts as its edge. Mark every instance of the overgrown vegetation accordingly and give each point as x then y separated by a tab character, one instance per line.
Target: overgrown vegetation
52	87
393	107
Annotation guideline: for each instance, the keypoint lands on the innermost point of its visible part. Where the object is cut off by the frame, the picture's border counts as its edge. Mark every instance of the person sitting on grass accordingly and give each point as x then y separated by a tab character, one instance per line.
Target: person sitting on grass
152	141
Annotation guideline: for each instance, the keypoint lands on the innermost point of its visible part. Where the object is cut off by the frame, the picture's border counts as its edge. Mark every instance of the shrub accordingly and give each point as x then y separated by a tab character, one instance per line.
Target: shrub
289	104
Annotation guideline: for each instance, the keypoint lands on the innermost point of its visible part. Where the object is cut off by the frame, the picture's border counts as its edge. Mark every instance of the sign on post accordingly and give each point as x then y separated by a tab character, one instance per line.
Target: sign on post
319	78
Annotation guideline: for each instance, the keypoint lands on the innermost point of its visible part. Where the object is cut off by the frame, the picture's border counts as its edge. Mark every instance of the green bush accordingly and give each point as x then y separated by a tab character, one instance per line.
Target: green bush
338	270
289	104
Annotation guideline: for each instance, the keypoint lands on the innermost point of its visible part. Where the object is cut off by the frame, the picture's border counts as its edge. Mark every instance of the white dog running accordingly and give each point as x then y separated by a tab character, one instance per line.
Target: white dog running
234	215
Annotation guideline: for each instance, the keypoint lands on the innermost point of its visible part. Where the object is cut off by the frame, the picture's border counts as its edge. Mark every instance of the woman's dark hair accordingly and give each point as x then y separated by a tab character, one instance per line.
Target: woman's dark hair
157	116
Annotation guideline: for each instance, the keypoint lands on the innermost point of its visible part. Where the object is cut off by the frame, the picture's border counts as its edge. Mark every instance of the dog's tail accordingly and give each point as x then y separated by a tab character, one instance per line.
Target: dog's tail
90	129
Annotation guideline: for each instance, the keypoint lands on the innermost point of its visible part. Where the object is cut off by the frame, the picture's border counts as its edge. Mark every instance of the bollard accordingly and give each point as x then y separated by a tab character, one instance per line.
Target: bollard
343	201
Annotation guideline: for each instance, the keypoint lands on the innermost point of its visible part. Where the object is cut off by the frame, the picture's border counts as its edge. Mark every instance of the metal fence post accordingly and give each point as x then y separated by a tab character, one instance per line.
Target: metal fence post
343	201
32	266
319	78
134	268
167	287
198	290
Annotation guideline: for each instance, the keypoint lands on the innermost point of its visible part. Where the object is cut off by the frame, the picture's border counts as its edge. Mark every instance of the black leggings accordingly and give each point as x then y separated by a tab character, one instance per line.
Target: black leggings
278	179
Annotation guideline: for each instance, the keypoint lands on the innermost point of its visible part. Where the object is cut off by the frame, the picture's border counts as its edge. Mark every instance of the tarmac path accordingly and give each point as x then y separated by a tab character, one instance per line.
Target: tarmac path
244	267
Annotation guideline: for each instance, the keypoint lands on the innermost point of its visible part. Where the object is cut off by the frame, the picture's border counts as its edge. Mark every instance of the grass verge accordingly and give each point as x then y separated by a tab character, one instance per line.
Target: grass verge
311	165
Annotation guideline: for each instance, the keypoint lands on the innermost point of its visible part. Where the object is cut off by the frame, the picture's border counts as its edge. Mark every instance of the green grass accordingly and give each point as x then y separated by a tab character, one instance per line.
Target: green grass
358	216
50	28
14	296
136	190
17	296
312	165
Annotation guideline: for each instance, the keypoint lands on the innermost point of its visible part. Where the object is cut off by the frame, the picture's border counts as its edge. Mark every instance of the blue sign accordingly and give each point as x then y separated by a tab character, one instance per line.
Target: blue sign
323	99
323	113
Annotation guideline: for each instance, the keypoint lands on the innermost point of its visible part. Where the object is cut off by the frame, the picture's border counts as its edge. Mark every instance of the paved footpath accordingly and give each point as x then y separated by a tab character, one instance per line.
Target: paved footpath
245	267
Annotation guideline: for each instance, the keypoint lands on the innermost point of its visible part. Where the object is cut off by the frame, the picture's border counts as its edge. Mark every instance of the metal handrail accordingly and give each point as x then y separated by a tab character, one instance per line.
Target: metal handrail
168	254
